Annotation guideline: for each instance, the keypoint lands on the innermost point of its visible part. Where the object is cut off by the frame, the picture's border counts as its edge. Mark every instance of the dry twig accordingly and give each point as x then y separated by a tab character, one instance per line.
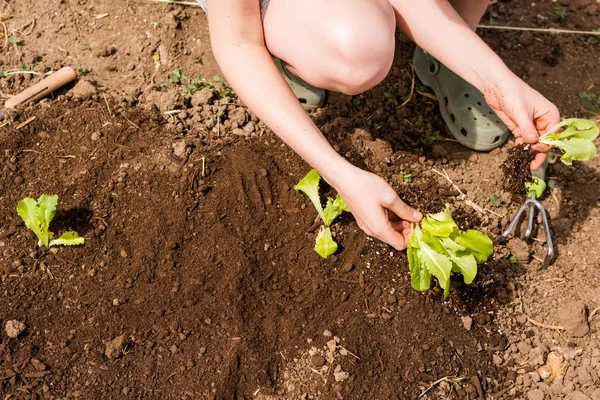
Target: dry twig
544	30
463	196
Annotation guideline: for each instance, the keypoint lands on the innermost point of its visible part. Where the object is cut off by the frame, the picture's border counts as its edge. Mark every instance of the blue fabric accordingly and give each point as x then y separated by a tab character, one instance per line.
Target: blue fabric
263	6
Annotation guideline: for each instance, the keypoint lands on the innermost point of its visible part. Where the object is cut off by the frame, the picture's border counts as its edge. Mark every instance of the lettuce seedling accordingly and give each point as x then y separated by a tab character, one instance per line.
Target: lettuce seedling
37	216
574	137
575	140
438	247
309	185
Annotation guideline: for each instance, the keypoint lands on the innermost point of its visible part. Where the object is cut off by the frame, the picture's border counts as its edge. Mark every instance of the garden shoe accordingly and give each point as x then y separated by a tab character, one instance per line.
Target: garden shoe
462	106
309	96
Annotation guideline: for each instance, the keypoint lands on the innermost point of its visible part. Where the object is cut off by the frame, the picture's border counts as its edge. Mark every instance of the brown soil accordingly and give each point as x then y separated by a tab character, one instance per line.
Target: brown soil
200	253
517	171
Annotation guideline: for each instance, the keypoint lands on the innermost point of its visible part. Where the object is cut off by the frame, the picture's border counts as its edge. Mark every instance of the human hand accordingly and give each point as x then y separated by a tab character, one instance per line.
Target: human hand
377	208
525	112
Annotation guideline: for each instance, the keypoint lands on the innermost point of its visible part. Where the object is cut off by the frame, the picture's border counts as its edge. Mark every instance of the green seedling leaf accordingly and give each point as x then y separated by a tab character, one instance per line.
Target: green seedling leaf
440	224
309	185
333	209
575	141
407	178
37	216
439	248
438	265
537	187
420	278
477	243
495	200
561	12
69	238
325	246
176	76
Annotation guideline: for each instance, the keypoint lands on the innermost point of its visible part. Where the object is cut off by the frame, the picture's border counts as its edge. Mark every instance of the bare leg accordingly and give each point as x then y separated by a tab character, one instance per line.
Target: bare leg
471	11
340	45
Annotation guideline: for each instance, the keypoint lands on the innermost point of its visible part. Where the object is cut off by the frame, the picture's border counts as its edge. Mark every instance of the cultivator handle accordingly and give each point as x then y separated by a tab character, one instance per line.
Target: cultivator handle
43	88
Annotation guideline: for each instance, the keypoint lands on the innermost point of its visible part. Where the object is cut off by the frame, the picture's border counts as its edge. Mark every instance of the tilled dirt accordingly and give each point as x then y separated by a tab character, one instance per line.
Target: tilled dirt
198	278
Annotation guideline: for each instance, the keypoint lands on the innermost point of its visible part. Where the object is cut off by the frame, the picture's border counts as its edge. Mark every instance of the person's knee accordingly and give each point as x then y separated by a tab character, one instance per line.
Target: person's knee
364	51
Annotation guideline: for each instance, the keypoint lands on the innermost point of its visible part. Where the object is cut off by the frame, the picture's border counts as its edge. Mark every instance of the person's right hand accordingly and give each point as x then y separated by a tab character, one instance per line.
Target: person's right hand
377	208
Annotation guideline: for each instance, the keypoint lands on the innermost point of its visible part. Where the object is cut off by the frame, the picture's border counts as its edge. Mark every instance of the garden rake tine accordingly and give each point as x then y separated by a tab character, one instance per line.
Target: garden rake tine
531	204
511	226
530	217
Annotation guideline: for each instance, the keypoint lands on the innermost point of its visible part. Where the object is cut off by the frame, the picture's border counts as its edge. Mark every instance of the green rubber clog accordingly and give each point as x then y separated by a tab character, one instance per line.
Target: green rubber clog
309	96
462	106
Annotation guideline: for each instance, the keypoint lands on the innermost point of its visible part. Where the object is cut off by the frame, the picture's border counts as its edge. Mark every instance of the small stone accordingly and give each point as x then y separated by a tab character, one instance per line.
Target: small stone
190	364
37	364
202	97
573	317
344	297
377	291
339	375
123	253
14	328
327	333
536	394
116	347
18	180
317	361
467	322
95	136
83	90
576	395
179	148
524	348
521	318
347	267
391	299
496	359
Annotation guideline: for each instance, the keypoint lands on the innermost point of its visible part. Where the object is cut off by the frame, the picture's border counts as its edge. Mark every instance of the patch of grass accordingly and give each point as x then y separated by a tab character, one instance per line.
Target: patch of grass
81	69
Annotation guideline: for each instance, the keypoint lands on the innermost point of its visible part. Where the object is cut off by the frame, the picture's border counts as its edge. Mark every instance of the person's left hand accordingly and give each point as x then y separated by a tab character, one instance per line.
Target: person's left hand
525	112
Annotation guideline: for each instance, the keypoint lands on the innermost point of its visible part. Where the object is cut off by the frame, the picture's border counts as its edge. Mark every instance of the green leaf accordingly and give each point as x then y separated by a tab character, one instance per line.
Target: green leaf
38	214
536	187
309	185
440	224
420	278
333	209
324	244
495	200
575	141
478	243
438	265
69	238
466	264
29	212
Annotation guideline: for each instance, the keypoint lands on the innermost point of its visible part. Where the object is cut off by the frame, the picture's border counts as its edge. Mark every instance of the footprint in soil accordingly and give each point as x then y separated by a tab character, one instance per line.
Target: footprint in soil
78	219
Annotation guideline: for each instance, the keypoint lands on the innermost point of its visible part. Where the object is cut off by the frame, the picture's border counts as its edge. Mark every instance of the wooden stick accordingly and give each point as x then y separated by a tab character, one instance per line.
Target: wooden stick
545	30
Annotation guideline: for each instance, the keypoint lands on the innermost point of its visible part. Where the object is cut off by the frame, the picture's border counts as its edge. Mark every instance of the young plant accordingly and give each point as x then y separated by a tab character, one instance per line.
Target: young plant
309	185
574	138
37	216
438	247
